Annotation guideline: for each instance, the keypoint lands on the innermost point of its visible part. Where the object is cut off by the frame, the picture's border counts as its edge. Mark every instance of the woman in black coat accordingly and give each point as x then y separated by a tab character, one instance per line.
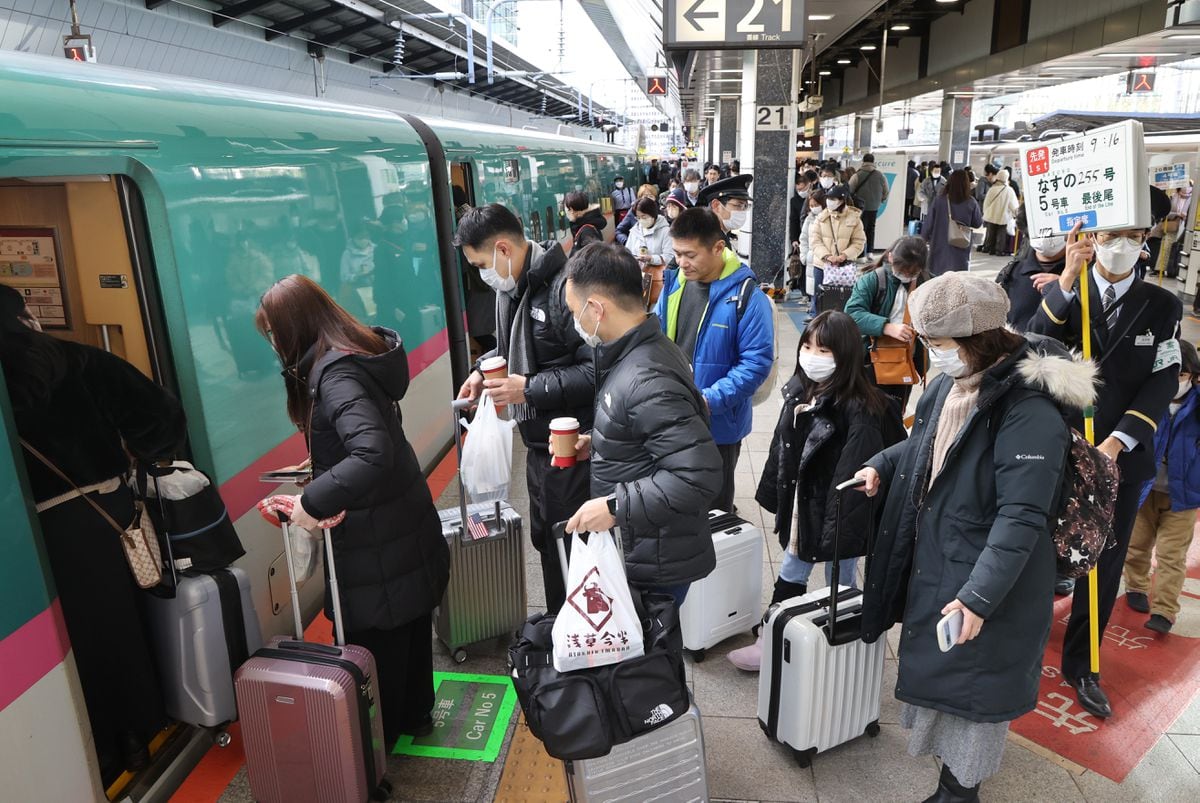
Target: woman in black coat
966	527
83	409
343	383
833	420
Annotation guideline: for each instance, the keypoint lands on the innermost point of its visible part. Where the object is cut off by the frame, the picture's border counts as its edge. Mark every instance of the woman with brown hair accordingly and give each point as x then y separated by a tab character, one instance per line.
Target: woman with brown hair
954	206
343	383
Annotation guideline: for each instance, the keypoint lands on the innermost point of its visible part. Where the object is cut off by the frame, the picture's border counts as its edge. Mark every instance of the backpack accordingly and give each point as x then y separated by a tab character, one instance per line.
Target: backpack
1083	525
767	388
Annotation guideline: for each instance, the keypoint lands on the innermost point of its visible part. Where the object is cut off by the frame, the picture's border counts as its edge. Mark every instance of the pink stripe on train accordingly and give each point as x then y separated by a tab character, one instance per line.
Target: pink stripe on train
30	651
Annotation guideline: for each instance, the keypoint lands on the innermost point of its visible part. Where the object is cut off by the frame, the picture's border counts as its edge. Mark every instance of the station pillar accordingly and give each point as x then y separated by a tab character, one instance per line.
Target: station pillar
776	79
863	131
954	140
726	146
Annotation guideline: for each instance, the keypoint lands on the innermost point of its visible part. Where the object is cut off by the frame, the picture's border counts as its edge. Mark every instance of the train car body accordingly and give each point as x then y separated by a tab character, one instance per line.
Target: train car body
172	205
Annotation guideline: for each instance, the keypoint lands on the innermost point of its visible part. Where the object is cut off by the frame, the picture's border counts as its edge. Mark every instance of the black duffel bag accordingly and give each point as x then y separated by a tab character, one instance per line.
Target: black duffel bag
190	515
584	713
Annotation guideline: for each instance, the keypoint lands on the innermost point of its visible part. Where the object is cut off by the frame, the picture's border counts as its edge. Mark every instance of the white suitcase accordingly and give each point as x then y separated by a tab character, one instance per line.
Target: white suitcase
819	686
665	765
729	600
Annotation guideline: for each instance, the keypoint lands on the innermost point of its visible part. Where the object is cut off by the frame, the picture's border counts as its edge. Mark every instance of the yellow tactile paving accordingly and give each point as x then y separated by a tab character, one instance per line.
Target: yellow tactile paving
530	774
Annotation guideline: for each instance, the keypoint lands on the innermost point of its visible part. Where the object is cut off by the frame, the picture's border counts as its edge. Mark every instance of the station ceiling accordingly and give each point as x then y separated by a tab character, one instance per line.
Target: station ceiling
366	31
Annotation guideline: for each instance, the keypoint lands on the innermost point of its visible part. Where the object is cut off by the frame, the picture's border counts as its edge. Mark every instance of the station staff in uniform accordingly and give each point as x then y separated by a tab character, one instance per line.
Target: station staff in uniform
729	199
1134	326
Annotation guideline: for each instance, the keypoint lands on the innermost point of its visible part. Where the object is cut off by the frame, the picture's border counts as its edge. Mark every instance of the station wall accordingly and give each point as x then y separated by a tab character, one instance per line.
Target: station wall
1063	15
958	38
180	40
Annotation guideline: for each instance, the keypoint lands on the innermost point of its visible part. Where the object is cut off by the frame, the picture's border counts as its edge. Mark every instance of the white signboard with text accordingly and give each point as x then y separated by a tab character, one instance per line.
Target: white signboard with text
1097	179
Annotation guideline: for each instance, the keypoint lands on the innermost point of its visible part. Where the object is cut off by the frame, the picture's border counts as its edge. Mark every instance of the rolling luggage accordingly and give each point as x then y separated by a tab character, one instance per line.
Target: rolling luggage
201	637
820	683
310	720
729	600
486	594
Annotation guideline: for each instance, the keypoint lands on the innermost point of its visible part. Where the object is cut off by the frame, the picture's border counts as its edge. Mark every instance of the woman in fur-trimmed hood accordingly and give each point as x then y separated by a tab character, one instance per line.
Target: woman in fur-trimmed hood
966	526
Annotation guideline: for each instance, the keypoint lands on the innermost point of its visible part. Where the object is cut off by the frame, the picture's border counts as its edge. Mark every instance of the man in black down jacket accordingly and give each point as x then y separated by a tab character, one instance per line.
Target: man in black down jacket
549	366
655	467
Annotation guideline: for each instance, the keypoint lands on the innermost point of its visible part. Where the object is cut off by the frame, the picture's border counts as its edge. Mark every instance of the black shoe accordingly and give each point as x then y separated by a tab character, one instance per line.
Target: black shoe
951	791
1063	586
785	590
1091	696
134	751
1158	623
422	727
1137	601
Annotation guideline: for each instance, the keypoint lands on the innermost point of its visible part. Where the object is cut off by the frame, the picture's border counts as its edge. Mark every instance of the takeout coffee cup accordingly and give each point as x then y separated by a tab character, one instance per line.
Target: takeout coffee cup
564	432
494	368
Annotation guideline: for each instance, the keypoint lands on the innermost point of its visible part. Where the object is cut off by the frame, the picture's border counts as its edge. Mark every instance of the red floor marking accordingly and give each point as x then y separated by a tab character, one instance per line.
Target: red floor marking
1150	679
215	771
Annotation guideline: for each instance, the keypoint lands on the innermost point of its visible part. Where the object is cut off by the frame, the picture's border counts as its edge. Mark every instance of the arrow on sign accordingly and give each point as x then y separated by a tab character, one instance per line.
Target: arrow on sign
691	15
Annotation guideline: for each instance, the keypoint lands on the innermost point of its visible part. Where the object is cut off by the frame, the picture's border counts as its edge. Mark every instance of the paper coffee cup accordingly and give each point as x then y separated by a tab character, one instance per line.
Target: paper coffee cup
494	368
564	432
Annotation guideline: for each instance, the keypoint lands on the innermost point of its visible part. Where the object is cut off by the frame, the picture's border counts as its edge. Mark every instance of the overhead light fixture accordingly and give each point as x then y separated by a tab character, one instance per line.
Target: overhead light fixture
824	72
1134	55
1182	36
901	27
844	61
819	17
866	47
947	2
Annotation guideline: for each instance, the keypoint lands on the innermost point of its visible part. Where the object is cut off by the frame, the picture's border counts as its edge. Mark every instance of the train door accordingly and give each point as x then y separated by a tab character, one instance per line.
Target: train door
479	300
75	248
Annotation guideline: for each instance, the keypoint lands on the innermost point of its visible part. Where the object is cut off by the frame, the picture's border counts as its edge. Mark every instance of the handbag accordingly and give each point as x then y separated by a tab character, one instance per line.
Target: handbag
139	540
892	359
957	234
191	516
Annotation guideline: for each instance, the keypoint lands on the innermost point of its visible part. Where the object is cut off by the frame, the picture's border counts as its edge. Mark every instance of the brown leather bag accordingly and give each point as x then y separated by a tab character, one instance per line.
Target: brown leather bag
892	359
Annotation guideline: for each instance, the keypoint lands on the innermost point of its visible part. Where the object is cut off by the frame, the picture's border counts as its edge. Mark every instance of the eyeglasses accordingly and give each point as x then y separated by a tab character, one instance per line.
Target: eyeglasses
1105	237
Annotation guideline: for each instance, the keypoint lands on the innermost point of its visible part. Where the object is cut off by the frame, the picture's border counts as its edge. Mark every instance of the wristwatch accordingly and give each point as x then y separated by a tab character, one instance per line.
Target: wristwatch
611	501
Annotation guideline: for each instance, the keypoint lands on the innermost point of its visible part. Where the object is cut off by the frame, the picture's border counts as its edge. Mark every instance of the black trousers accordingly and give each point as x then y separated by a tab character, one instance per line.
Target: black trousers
554	495
729	459
1076	644
996	240
868	217
404	666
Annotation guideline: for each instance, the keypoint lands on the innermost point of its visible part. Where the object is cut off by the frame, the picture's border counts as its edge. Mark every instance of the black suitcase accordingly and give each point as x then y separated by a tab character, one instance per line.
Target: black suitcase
833	296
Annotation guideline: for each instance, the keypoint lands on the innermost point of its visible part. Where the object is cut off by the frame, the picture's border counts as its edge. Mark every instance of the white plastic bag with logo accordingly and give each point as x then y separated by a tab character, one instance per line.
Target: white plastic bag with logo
487	454
598	624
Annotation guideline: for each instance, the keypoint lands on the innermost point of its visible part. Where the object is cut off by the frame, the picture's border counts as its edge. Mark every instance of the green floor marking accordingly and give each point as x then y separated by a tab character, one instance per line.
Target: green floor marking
470	717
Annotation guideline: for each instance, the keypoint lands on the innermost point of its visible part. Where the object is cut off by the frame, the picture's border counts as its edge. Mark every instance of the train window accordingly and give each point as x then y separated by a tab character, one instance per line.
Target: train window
463	178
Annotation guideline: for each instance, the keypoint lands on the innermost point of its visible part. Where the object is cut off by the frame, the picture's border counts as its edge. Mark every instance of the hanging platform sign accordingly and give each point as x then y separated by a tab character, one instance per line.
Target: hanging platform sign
1098	179
732	24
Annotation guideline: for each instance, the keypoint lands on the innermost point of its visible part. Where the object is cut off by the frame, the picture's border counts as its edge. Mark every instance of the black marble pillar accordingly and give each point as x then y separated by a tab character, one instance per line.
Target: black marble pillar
774	157
728	110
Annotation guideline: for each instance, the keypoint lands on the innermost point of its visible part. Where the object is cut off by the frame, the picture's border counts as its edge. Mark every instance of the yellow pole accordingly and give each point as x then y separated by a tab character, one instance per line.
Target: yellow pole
1089	432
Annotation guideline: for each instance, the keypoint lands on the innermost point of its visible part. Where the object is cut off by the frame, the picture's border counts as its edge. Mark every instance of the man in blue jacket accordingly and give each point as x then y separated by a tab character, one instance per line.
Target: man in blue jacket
711	309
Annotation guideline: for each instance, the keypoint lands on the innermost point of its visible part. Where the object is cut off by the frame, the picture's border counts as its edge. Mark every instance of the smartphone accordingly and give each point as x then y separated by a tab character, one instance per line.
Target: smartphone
949	628
280	476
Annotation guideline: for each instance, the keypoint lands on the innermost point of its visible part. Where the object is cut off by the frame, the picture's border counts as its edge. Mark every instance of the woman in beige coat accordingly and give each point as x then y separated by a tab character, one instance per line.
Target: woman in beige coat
837	235
999	209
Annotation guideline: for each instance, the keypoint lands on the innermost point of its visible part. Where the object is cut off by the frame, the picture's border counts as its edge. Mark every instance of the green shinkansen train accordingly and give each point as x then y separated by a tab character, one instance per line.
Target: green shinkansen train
171	206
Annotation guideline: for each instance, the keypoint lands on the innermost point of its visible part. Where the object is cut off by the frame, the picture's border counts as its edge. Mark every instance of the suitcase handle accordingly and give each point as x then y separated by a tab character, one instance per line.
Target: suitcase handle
836	577
307	647
339	633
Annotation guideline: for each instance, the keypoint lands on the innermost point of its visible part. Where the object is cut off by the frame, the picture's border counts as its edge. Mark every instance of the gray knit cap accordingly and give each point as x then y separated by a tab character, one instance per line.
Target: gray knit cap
958	304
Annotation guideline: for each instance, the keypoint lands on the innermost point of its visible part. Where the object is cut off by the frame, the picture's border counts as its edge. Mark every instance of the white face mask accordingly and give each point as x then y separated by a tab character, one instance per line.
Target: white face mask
620	184
817	367
1048	245
947	361
826	181
814	210
1184	386
593	339
501	284
802	193
1120	255
736	220
691	187
833	204
647	223
935	173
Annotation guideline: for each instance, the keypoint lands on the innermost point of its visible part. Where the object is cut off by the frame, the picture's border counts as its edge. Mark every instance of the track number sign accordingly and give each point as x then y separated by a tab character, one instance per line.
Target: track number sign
773	118
732	24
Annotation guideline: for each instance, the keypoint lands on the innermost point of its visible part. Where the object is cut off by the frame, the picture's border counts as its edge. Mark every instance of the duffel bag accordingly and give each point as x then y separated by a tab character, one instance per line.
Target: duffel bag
189	513
583	713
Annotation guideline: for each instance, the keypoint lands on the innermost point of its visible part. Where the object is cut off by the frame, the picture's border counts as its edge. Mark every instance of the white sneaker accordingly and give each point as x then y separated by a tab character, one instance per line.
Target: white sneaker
748	659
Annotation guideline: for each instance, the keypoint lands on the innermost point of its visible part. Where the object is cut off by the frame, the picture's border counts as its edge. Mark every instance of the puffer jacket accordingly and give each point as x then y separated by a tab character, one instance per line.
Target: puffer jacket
1177	440
869	185
732	357
1000	204
657	241
563	383
588	227
980	533
392	561
810	454
834	234
652	448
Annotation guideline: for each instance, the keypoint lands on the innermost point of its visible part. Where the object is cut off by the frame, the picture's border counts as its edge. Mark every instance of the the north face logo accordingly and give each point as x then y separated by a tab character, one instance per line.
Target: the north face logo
591	601
661	713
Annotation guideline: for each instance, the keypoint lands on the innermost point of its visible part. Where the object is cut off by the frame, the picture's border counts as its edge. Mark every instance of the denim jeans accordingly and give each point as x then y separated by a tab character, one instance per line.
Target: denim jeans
797	571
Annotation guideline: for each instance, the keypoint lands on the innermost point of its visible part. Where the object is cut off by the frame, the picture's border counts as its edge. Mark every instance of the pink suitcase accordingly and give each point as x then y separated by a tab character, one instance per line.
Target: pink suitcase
310	722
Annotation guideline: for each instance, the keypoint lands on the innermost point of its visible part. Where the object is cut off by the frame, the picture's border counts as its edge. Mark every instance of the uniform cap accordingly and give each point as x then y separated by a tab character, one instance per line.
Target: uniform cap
958	304
725	189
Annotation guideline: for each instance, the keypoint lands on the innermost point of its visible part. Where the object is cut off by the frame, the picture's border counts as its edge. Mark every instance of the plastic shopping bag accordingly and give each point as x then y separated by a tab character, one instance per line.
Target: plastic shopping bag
598	624
306	545
487	454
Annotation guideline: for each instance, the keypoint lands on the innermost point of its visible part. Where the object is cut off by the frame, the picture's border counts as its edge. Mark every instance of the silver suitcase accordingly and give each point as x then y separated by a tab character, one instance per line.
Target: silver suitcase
486	594
200	637
665	765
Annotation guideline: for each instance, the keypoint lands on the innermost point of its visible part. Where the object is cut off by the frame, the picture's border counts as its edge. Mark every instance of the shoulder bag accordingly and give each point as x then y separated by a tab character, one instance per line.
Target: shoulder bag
892	359
139	540
957	234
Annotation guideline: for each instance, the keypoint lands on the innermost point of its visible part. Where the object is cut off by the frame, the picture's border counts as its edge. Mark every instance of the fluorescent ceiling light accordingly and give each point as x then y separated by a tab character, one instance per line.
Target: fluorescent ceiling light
867	47
900	27
1134	55
819	17
844	61
947	1
824	72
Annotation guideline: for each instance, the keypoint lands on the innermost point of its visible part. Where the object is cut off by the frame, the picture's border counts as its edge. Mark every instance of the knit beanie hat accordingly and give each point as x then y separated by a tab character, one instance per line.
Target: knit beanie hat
958	304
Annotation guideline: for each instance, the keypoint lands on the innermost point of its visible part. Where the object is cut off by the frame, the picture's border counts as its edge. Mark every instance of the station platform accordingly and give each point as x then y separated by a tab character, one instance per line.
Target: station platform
1149	751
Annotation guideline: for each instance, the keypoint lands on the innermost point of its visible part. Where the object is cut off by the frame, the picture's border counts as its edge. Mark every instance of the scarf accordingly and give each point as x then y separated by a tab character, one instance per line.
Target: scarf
514	328
960	401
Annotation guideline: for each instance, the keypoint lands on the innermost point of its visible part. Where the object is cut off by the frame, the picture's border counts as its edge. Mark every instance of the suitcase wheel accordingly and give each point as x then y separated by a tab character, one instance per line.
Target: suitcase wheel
222	739
804	757
872	729
460	656
754	631
383	791
698	655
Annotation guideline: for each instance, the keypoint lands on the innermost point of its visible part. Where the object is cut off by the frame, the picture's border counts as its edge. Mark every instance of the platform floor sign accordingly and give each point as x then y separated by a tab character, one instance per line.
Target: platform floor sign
470	717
